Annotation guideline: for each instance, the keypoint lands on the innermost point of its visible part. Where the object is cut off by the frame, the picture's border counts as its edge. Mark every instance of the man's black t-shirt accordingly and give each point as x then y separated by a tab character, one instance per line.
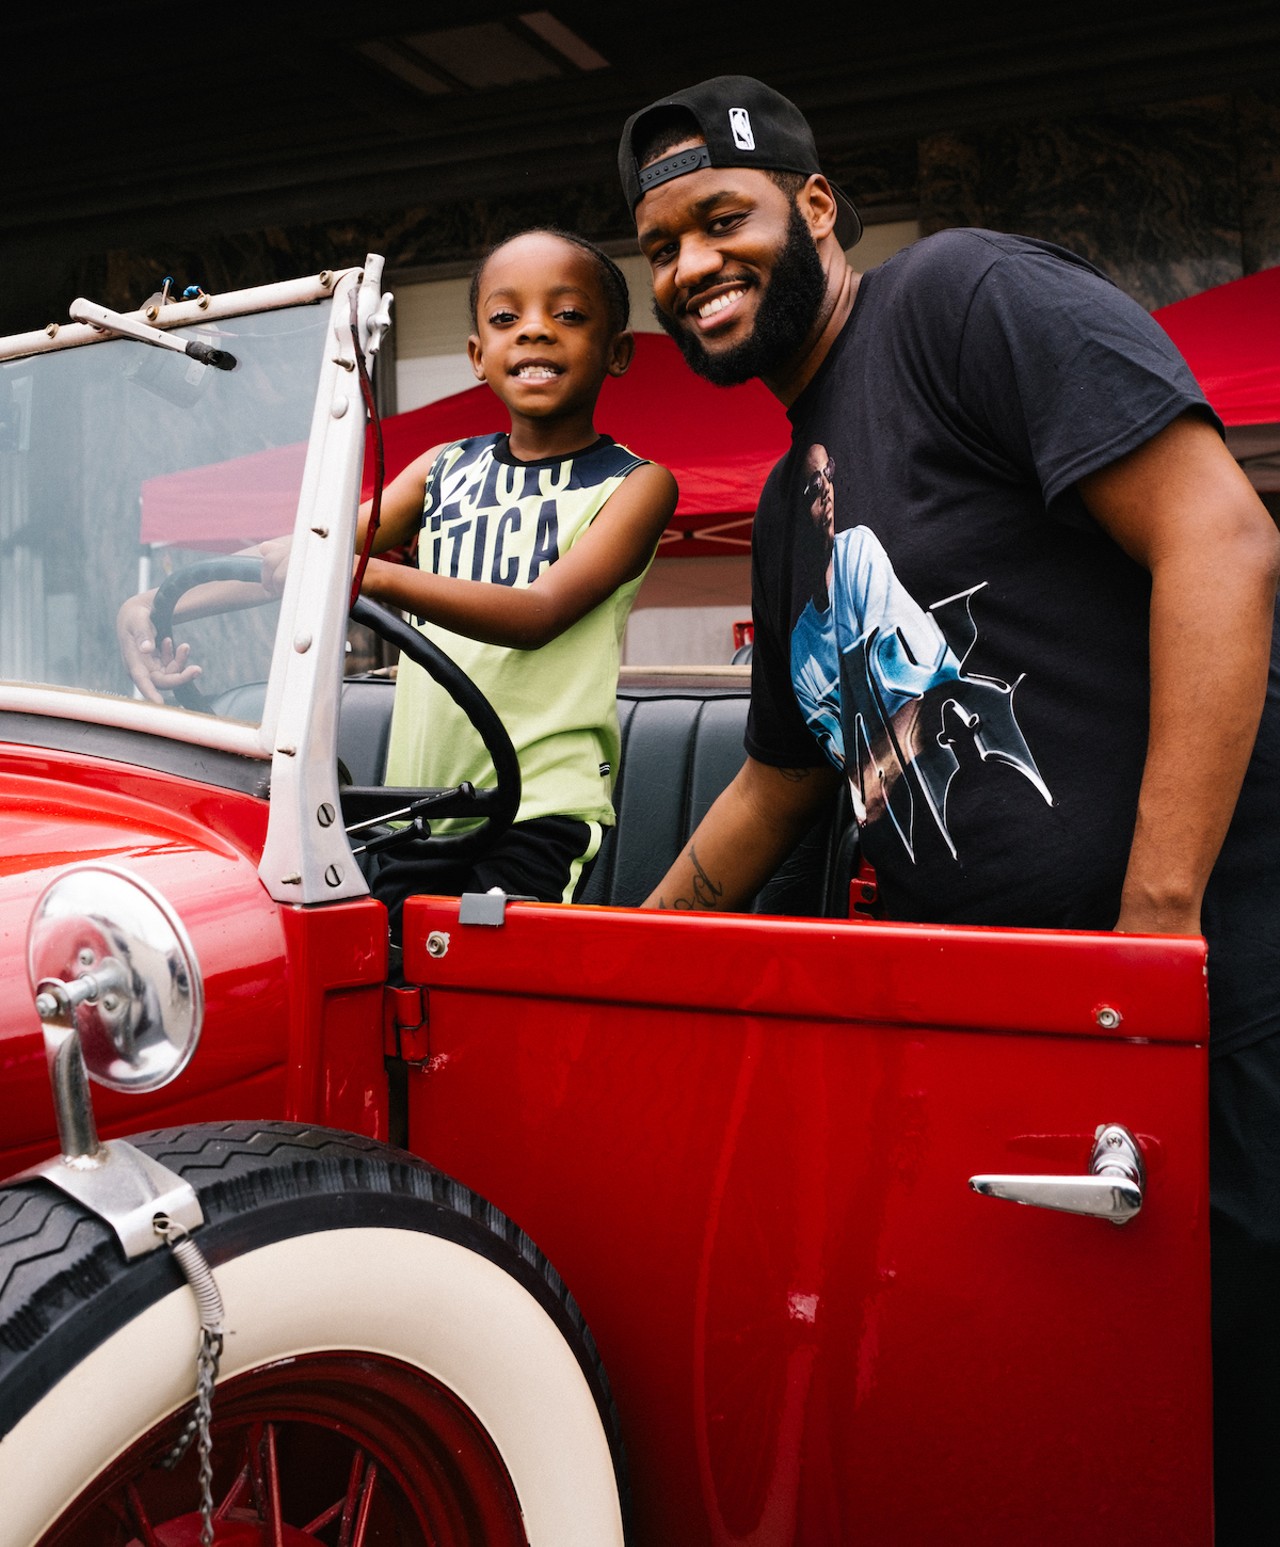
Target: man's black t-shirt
938	614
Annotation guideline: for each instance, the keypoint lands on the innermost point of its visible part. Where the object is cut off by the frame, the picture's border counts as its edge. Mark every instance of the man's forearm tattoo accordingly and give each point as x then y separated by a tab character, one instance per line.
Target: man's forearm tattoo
705	893
796	775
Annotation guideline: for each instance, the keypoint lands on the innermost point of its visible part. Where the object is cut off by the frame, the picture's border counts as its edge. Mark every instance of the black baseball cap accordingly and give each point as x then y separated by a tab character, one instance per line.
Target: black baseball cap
744	124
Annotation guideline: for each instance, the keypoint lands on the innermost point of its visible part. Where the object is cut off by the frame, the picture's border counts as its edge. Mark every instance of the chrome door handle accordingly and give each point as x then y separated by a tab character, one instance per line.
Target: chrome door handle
1112	1189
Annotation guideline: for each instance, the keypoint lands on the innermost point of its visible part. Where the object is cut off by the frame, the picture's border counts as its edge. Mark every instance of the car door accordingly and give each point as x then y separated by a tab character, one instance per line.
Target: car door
747	1144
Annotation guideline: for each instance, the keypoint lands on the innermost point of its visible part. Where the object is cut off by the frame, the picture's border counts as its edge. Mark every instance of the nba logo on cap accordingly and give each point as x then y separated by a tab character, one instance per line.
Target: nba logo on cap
740	123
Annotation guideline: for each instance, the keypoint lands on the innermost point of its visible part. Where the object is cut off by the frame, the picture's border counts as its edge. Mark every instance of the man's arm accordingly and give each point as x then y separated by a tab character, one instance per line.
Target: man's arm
1182	508
752	827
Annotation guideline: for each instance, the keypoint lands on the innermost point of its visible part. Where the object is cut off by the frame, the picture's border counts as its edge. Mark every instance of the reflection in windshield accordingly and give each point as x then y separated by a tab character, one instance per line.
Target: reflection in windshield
121	463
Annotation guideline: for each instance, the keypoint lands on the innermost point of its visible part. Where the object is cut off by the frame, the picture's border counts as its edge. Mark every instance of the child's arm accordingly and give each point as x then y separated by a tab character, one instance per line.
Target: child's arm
399	518
614	549
155	665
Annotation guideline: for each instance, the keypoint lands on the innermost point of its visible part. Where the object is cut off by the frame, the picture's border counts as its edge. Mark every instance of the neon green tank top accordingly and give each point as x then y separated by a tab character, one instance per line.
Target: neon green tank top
488	517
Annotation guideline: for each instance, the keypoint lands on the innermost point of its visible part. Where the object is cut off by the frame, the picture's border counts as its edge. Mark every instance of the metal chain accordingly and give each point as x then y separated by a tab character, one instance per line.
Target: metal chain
198	1274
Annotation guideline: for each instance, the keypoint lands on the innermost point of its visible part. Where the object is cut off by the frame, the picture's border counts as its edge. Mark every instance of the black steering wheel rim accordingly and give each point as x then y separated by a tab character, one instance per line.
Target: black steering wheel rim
498	805
232	566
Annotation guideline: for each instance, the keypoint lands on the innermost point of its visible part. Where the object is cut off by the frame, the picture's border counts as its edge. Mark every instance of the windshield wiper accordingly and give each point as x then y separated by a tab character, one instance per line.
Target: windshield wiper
144	333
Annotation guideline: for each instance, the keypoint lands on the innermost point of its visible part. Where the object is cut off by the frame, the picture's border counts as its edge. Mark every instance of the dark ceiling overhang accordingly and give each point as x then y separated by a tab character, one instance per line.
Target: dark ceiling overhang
124	127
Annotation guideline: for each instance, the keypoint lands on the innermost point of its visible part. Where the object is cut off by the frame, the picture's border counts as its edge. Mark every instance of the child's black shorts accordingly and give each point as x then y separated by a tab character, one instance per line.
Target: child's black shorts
548	858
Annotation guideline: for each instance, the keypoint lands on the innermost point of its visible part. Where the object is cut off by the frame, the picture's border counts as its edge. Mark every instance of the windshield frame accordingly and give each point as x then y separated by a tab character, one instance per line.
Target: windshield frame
136	714
304	860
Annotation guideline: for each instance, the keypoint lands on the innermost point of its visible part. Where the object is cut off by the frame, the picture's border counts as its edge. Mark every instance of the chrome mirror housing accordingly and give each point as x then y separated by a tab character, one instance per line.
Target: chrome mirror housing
110	960
121	999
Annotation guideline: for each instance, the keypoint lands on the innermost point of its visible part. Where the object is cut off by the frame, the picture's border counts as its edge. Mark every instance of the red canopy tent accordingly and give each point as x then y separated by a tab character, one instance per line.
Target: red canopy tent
1230	337
720	442
226	506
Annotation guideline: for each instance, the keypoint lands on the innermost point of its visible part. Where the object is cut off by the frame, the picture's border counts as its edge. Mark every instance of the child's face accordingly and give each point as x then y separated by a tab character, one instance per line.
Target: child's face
544	339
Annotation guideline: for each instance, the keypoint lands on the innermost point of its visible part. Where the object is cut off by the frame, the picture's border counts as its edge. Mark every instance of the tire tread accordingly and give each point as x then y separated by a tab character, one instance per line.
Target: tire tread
56	1259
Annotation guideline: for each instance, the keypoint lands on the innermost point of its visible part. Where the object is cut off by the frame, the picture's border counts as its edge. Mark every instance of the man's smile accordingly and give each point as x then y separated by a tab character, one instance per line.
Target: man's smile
711	309
718	303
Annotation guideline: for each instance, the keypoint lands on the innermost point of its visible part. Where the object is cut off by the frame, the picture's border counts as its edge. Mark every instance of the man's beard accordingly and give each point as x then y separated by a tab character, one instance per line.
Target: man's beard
788	309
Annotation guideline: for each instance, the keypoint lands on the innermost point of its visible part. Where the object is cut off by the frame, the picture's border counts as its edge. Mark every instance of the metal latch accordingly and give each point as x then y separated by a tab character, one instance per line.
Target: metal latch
1112	1188
487	907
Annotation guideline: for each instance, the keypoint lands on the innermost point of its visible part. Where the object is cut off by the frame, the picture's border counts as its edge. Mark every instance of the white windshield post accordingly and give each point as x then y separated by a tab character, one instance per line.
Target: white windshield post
307	858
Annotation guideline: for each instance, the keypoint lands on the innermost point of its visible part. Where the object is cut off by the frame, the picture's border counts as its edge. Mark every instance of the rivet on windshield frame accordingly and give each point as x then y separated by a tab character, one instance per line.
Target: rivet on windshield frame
325	815
320	531
333	876
437	943
152	312
347	365
302	643
287	751
339	407
294	880
326	278
51	328
1107	1018
203	302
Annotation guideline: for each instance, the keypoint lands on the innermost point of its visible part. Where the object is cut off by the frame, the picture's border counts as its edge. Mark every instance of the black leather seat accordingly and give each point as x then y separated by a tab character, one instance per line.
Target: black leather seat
681	745
364	727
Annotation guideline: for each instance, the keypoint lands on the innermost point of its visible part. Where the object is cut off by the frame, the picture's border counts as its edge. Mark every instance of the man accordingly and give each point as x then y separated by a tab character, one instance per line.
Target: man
1044	670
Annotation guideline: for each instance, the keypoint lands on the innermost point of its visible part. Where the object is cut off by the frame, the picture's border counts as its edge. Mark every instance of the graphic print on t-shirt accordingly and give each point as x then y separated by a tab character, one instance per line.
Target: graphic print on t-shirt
881	680
485	519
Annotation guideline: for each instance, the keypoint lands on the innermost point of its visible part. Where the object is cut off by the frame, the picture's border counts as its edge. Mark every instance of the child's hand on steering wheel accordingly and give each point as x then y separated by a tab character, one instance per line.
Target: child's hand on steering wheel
275	563
153	670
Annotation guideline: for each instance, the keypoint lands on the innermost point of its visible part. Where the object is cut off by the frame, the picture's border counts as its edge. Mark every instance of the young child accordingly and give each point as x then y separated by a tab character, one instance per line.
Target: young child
531	547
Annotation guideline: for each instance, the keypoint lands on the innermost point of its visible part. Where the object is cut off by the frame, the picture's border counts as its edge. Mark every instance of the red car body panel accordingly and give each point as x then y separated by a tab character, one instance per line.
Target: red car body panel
746	1142
295	994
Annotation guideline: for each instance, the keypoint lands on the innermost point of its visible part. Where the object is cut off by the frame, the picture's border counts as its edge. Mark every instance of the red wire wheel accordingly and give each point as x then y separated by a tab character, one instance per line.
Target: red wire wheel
400	1366
347	1450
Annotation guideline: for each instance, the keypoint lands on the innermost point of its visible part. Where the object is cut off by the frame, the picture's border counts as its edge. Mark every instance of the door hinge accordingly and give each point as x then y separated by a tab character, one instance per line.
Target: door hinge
405	1027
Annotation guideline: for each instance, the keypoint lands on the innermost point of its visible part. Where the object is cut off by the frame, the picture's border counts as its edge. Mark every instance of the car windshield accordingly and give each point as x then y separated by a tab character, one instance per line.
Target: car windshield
121	464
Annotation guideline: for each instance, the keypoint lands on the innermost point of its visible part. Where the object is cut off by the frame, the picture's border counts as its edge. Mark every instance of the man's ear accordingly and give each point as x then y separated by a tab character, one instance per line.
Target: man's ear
817	204
621	352
476	355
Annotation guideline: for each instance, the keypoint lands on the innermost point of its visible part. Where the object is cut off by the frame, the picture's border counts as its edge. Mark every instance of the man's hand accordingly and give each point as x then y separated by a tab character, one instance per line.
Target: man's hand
1147	916
154	670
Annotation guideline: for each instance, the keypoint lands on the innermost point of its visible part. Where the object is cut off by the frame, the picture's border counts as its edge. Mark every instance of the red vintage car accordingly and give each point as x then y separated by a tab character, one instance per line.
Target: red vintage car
685	1231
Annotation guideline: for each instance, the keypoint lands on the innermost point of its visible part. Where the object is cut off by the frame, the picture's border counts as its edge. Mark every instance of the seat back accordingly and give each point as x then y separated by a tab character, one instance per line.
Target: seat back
682	740
364	727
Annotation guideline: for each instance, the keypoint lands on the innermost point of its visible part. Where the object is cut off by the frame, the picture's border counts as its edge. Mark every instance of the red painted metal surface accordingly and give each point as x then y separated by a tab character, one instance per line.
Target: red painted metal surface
337	968
199	847
293	997
746	1142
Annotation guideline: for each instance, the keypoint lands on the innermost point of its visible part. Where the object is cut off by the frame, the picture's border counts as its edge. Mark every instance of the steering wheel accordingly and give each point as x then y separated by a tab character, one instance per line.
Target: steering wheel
237	566
497	805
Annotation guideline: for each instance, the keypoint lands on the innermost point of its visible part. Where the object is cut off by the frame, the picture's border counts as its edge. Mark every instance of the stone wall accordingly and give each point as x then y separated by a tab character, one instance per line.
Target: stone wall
1168	199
